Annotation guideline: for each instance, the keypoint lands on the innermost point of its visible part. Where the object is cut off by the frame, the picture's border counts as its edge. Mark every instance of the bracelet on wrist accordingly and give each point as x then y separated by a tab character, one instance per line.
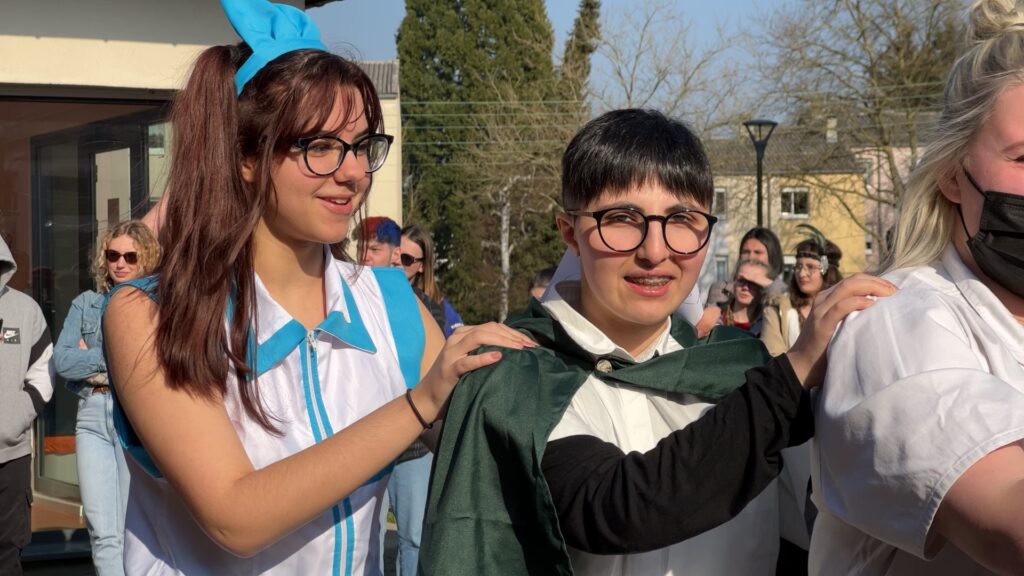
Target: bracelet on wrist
426	425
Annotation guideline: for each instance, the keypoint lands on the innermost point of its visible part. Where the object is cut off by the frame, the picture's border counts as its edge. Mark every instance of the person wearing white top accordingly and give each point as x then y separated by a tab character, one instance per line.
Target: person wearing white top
263	388
622	444
919	447
635	420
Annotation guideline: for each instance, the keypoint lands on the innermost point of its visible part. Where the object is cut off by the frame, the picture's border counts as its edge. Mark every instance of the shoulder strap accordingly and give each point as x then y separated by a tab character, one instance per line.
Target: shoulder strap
125	433
405	321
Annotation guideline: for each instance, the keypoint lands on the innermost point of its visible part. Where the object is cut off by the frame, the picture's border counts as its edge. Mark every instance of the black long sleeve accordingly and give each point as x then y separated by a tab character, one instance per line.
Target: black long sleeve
695	479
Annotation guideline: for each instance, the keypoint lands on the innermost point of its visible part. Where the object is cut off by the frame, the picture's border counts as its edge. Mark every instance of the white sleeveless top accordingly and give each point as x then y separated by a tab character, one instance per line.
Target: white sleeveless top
315	382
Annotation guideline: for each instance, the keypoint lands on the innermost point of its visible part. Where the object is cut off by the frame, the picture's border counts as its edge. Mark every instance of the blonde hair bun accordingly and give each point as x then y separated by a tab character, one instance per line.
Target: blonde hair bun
990	19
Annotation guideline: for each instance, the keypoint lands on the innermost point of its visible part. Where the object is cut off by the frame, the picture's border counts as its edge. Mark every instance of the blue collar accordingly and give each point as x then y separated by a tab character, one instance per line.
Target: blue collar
350	331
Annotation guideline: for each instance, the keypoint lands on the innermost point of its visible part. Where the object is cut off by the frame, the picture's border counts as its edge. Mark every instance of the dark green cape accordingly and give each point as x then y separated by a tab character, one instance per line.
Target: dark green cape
489	511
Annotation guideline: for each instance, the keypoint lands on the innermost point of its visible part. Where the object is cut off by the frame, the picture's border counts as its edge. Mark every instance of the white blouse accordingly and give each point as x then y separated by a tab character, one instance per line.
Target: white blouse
920	386
315	383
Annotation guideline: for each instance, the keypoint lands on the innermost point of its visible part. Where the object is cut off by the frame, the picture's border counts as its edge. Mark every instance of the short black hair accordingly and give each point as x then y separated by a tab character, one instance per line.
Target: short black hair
625	148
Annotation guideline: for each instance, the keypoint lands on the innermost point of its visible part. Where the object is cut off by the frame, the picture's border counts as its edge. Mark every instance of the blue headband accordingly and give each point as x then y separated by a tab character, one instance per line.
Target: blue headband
270	30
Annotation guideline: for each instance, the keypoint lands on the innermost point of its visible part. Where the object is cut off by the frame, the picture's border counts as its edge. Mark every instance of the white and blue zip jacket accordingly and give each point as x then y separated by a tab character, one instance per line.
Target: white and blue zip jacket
366	352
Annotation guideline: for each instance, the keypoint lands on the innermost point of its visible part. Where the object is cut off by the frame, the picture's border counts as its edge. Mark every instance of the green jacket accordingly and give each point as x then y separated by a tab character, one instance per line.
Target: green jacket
489	510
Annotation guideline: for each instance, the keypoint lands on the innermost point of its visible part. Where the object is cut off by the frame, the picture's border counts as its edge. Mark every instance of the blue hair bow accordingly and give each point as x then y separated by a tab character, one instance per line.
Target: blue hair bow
270	30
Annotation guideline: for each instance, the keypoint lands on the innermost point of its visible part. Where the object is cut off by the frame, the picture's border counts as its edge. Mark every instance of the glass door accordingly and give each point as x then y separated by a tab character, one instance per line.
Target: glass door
85	180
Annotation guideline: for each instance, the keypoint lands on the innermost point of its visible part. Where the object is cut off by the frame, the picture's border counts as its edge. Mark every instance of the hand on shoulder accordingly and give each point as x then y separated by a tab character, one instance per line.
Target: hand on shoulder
458	357
857	292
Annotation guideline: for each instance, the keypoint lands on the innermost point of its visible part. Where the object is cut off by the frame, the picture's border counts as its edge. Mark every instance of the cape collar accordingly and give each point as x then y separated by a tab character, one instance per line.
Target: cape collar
710	368
563	302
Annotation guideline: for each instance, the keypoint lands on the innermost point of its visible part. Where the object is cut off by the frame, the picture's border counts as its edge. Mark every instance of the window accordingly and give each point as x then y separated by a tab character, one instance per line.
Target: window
720	206
796	202
722	268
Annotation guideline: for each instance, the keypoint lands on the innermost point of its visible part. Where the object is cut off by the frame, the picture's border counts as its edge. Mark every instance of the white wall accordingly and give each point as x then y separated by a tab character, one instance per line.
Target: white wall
140	44
386	195
108	43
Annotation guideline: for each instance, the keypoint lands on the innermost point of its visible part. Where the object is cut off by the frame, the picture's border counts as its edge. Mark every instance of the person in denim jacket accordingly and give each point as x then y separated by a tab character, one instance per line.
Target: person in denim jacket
127	251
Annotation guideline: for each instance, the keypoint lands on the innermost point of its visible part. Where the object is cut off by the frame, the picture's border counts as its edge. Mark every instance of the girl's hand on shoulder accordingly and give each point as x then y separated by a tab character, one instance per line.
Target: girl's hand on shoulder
456	359
832	306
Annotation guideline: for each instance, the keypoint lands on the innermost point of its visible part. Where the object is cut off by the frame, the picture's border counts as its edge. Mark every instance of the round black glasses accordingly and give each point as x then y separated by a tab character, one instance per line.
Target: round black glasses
324	154
625	229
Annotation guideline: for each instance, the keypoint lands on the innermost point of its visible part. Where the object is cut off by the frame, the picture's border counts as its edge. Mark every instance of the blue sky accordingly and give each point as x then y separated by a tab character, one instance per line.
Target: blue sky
366	28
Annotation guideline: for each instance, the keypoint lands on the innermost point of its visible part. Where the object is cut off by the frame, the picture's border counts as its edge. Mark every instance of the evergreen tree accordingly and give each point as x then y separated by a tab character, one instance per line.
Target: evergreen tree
581	44
474	73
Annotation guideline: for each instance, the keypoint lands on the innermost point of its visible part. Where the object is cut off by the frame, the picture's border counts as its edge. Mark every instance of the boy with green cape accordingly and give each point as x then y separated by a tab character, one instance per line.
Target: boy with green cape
622	444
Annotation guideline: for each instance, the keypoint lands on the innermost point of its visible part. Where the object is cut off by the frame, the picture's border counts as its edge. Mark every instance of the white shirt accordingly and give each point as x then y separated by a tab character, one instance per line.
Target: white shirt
919	387
635	420
315	382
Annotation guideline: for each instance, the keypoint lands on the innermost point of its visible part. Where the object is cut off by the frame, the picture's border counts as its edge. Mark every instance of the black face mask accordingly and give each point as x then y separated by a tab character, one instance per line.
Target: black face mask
998	247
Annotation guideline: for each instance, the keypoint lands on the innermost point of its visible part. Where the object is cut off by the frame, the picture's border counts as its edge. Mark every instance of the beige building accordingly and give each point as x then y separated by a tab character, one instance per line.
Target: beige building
84	143
807	180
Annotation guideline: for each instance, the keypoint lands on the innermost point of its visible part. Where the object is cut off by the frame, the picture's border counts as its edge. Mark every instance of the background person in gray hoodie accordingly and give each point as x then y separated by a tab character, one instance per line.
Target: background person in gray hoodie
26	385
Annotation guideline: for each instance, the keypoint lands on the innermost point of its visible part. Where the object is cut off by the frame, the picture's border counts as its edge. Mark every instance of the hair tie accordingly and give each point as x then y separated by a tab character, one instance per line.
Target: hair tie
270	30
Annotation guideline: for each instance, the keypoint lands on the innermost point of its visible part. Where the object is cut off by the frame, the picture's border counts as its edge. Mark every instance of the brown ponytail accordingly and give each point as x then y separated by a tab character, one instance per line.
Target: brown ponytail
212	213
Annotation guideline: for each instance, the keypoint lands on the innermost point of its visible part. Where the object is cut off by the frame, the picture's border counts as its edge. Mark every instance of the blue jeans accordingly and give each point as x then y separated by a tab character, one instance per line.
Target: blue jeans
102	481
407	490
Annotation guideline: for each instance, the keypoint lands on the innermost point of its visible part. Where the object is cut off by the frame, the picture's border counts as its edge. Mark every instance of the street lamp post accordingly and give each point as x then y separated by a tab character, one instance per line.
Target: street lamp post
760	131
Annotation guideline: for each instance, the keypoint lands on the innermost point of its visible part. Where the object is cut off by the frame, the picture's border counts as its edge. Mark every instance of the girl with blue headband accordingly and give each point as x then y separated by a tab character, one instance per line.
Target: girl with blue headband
265	384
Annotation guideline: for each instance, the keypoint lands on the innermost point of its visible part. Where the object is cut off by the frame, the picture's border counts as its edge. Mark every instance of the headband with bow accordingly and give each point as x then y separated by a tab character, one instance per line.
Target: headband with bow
270	30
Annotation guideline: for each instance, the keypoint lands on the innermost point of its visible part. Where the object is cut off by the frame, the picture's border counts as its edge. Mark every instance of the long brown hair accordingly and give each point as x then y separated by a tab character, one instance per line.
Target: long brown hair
756	308
424	279
813	248
212	212
145	246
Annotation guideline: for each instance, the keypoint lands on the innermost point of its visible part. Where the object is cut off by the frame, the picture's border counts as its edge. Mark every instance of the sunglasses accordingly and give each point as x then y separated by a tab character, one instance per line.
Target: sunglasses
752	286
409	259
130	258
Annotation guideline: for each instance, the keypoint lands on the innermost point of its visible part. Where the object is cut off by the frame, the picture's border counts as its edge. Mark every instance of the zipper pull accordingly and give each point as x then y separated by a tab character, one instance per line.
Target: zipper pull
311	338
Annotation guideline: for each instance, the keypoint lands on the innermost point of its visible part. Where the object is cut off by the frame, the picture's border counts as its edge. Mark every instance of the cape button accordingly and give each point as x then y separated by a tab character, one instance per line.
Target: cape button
603	365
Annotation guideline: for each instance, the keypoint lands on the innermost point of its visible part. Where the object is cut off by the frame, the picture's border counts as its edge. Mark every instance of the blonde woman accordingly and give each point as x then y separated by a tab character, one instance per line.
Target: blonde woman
127	251
920	425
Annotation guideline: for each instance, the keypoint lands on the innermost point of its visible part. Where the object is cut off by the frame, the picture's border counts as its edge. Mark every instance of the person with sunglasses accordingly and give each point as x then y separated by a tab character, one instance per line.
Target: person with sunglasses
747	296
265	383
623	444
126	252
417	257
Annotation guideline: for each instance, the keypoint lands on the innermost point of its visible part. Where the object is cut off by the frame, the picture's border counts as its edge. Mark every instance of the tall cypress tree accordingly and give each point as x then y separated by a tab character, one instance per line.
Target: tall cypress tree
581	44
458	58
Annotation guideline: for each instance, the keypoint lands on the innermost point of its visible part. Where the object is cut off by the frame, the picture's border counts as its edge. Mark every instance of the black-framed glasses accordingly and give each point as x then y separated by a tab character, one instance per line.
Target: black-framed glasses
409	259
324	154
130	258
624	229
